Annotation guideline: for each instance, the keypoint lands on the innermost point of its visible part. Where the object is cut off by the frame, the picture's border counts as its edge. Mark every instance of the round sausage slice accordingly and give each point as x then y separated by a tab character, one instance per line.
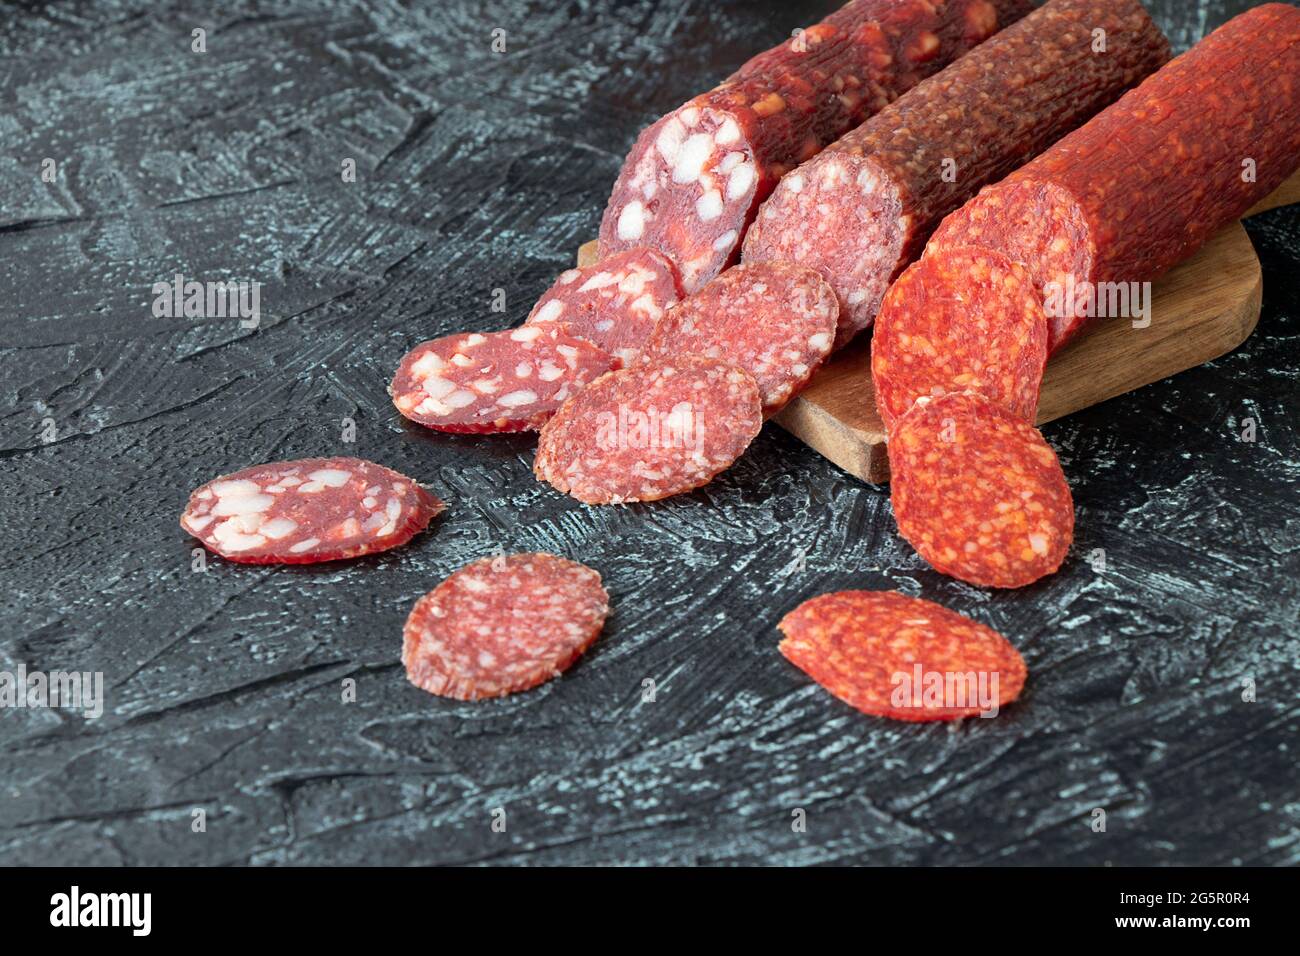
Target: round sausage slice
314	509
511	381
900	657
650	431
978	492
503	624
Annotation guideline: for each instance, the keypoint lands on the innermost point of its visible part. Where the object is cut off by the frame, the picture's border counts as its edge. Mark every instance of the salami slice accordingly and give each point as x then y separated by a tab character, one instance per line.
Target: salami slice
774	319
507	381
503	624
613	304
965	320
302	512
657	429
978	492
900	657
862	209
1148	181
692	182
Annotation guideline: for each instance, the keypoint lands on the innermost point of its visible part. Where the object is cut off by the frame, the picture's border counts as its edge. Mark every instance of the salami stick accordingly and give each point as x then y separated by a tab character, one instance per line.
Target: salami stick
862	209
1143	185
694	179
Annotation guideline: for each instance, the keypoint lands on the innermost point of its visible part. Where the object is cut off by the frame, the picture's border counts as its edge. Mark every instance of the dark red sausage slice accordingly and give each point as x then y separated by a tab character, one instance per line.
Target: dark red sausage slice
643	433
1148	181
960	320
301	512
862	209
693	180
501	625
978	492
774	319
613	304
494	381
900	657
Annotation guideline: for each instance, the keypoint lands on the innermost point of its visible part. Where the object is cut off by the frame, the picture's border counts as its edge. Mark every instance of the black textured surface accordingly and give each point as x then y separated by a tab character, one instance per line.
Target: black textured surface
479	171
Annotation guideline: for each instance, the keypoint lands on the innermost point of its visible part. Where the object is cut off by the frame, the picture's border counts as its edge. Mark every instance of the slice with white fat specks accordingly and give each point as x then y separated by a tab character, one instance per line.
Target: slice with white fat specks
302	512
775	319
656	429
613	304
503	624
507	381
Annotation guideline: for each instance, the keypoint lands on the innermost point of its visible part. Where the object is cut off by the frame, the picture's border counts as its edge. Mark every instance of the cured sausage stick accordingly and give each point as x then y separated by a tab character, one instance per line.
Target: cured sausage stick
693	180
862	209
1147	182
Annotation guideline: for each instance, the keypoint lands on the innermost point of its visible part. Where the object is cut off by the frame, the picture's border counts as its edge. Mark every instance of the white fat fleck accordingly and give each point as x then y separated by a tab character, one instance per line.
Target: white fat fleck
240	486
486	386
1038	542
569	353
549	312
645	305
691	115
474	584
549	371
730	162
228	535
461	360
243	504
694	154
598	281
203	494
631	221
436	387
669	140
474	339
304	545
525	333
515	399
728	132
331	477
197	524
427	364
278	527
369	501
741	181
819	342
709	206
634	282
568	276
290	481
524	370
460	398
725	241
393	509
793	182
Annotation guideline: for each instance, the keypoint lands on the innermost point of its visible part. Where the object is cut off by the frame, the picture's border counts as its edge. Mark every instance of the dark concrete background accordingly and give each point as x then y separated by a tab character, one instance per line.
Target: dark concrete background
479	171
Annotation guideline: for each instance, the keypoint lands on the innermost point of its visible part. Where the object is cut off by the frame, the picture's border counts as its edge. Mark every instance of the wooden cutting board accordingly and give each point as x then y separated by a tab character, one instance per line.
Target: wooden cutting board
1203	309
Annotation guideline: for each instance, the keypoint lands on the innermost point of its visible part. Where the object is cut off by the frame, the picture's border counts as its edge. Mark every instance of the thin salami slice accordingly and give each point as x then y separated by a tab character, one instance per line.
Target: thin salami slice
1147	182
507	381
862	209
503	624
613	304
302	512
978	492
960	320
693	180
657	429
774	319
901	657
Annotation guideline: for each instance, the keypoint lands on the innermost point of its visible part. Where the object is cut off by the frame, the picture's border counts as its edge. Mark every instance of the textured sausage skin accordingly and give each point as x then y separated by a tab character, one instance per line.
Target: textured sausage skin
1148	181
862	209
693	180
